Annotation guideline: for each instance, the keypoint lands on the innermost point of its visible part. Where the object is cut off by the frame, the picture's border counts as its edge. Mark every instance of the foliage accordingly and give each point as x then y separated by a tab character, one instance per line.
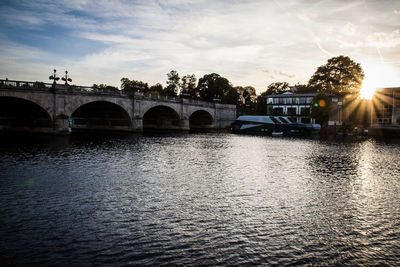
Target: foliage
131	86
213	86
173	84
340	75
303	89
277	88
105	88
320	109
156	89
188	86
247	94
261	107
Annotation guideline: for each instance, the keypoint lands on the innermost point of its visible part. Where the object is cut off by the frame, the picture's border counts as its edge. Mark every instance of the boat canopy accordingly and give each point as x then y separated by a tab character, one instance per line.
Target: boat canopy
264	119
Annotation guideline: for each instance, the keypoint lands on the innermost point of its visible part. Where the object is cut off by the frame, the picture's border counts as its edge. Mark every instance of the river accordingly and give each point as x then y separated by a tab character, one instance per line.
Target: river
198	199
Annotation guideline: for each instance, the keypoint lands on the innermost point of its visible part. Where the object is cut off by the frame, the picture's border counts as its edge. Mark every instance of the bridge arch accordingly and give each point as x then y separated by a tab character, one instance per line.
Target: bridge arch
101	115
18	113
201	119
161	117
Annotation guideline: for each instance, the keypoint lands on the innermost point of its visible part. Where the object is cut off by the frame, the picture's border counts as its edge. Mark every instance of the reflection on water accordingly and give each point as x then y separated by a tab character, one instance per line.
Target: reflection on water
198	199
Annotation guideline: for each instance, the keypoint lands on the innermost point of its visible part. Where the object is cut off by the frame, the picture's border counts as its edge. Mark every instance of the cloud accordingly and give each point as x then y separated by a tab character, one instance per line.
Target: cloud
272	74
349	28
376	39
146	39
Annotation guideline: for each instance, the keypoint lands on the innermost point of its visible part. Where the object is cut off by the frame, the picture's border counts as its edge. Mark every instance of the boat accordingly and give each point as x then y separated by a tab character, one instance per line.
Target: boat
273	126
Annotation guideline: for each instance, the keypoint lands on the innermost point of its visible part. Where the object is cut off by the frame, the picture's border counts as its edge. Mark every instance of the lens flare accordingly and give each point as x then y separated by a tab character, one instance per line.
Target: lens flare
377	76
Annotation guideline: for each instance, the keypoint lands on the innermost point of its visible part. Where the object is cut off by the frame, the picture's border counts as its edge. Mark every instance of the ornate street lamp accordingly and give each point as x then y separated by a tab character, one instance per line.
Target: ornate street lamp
54	77
66	79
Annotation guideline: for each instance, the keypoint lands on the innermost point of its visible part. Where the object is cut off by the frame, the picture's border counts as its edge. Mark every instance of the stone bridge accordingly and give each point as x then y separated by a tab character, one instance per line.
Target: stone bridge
53	108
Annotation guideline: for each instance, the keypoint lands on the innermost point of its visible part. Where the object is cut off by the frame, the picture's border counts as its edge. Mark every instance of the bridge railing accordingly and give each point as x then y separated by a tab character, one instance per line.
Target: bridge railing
24	85
41	86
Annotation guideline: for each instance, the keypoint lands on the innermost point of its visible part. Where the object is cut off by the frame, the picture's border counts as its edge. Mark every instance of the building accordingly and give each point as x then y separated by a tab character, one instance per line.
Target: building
385	109
298	107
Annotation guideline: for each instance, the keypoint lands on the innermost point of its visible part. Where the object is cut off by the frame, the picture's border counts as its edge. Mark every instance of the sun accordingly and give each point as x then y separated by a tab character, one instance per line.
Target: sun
377	76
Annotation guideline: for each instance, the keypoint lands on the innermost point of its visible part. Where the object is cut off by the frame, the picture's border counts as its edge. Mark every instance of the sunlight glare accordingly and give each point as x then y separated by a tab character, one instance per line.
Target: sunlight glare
377	76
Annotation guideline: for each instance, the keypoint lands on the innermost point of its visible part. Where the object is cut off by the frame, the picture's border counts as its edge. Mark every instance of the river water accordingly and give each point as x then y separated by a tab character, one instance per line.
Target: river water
198	199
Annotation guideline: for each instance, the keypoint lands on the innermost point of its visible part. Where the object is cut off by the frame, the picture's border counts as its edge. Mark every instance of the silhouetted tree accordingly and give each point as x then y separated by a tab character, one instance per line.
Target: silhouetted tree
340	75
188	86
105	88
131	86
303	89
173	85
277	88
261	106
156	89
213	86
247	94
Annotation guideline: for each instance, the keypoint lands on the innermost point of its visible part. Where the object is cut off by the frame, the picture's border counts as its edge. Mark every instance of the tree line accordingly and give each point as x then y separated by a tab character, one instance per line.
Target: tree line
339	76
211	87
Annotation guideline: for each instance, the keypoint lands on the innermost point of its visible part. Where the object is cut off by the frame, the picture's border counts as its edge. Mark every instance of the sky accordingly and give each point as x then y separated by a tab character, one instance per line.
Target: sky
251	43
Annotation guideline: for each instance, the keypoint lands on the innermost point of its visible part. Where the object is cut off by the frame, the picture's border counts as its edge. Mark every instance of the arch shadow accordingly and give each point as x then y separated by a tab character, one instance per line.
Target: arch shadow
161	118
19	114
201	120
101	115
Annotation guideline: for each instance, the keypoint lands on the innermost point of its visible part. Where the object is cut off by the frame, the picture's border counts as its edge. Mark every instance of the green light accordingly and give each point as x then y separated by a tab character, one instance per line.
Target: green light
316	105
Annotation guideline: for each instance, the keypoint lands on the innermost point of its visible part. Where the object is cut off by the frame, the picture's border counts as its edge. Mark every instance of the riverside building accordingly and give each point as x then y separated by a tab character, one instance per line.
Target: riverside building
298	107
385	110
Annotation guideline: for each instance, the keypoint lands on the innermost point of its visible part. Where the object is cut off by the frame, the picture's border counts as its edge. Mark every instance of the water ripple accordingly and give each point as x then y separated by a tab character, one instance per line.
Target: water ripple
205	199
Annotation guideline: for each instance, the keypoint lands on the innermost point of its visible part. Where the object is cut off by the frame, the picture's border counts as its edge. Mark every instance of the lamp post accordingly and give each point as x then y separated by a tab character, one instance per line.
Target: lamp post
54	77
66	79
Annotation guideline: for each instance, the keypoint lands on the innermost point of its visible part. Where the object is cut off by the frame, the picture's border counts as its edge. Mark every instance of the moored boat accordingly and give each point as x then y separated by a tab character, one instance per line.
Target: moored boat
273	126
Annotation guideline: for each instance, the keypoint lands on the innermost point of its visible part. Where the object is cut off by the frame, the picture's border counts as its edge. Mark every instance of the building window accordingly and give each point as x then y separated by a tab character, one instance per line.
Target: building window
291	111
276	101
309	100
297	100
305	111
269	100
302	100
277	111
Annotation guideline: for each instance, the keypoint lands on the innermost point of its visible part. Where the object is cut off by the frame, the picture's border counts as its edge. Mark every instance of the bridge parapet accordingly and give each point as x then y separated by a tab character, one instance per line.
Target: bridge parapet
60	88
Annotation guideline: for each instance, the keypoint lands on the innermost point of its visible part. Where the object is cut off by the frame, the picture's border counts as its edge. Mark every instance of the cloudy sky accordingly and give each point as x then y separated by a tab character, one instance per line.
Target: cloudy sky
249	42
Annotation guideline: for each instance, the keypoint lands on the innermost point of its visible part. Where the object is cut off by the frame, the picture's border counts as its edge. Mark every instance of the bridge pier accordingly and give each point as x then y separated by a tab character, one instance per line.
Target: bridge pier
61	126
184	124
137	124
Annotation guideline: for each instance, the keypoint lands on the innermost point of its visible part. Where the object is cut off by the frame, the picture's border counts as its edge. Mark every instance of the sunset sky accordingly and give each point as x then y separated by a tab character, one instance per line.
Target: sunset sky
249	42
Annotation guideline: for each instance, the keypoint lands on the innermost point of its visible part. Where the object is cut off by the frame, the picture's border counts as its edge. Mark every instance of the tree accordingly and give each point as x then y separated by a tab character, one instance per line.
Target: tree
340	75
173	85
303	89
247	94
261	107
213	86
131	86
156	89
188	86
105	88
277	88
230	96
